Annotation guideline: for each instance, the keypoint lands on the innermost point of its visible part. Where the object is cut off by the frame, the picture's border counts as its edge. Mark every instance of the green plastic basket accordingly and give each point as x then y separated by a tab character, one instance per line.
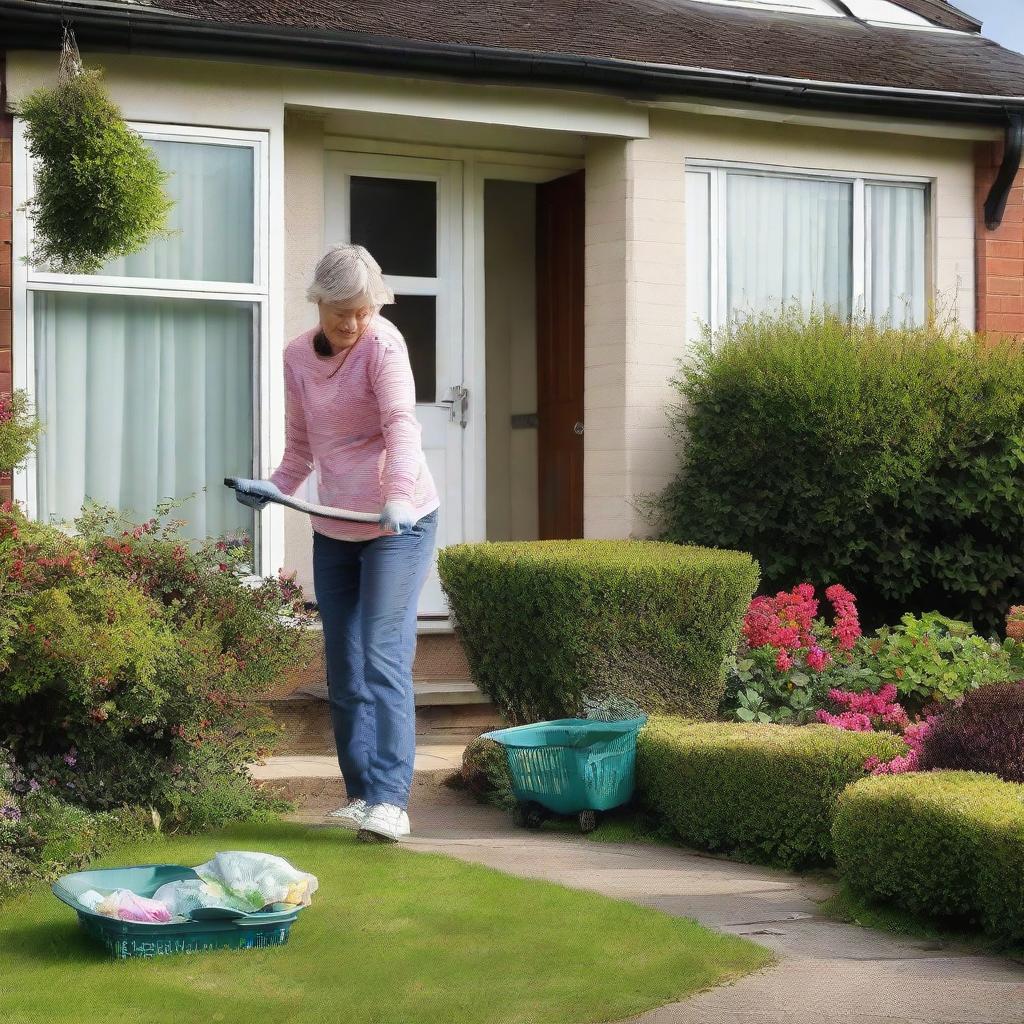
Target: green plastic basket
572	764
235	930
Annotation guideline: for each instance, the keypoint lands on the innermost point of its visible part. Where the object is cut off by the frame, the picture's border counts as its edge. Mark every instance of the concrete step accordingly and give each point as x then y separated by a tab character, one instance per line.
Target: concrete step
306	722
441	674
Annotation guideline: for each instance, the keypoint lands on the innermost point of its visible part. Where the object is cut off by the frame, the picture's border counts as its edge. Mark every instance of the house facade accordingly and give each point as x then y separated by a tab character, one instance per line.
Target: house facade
561	195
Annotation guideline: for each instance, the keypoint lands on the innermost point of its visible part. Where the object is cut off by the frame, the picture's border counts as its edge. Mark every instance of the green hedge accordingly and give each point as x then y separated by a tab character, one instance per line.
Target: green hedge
762	792
888	461
942	844
546	624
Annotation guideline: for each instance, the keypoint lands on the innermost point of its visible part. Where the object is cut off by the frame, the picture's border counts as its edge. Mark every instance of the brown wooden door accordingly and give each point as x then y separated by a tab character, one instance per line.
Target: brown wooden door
560	211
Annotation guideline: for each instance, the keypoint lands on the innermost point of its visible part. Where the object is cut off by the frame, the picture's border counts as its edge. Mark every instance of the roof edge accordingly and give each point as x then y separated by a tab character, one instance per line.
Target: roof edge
143	29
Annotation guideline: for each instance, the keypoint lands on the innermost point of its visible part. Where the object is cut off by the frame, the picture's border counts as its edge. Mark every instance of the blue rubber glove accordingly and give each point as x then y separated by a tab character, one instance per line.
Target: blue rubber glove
397	517
256	493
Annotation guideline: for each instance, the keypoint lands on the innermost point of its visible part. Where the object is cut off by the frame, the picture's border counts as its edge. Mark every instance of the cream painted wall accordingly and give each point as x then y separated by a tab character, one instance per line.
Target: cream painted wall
511	354
304	243
636	284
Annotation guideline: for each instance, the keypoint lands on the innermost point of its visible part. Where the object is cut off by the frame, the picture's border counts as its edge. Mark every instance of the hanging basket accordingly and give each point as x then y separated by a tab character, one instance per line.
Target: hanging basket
99	189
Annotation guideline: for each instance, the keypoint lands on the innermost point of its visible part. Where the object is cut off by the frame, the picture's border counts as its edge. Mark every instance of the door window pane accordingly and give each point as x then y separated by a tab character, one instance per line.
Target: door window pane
897	248
789	241
396	219
416	317
212	219
144	399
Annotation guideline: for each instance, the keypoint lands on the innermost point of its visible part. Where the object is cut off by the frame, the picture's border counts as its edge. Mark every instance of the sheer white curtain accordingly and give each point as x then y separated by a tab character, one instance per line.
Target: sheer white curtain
143	400
789	240
211	221
897	253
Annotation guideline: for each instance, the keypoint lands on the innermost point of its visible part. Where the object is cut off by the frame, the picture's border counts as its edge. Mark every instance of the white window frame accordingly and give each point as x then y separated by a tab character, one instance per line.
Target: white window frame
28	280
860	257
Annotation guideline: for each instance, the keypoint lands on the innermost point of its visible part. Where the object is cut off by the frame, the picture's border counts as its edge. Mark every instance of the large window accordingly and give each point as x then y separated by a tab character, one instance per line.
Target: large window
759	241
144	374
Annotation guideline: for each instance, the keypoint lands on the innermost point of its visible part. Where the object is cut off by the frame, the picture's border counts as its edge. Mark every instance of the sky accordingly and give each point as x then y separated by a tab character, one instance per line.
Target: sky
1003	19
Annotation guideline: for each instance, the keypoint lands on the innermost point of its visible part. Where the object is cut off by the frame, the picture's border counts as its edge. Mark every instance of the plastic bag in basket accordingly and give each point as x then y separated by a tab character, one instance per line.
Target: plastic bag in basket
249	881
127	906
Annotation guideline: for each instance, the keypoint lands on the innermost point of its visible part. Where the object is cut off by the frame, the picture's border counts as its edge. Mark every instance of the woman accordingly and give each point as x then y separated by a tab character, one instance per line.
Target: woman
350	409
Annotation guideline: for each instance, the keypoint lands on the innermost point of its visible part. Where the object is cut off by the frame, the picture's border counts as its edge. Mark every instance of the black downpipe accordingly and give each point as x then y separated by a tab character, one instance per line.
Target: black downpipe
995	205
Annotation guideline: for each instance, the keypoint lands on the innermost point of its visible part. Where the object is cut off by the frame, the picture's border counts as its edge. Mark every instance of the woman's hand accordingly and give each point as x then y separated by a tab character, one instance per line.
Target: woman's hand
397	517
256	493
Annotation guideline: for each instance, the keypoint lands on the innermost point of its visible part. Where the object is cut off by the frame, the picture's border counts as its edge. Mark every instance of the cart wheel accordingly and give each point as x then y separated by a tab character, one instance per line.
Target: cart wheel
588	821
528	814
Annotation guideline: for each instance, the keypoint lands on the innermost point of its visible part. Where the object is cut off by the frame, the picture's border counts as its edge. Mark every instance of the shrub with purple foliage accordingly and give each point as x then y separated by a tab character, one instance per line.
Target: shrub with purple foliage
983	733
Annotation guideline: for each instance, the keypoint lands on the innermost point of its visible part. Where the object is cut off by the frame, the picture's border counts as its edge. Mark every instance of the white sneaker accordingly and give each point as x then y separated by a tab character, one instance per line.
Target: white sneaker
352	813
384	823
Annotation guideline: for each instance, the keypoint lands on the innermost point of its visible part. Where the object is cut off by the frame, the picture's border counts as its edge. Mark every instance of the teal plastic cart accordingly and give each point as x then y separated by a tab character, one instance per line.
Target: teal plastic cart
570	766
207	928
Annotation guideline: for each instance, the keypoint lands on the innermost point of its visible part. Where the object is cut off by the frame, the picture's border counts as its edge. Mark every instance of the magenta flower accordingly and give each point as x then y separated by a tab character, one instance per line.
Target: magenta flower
818	659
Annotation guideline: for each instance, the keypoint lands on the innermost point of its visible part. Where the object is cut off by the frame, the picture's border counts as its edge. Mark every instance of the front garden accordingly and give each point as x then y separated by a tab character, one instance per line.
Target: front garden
876	730
390	937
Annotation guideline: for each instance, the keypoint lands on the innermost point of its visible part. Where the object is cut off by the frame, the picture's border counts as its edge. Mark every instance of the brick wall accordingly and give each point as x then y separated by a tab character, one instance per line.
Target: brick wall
999	253
6	254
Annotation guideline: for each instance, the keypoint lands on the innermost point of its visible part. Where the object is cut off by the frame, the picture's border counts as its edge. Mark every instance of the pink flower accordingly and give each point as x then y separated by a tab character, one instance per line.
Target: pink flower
818	659
853	721
783	661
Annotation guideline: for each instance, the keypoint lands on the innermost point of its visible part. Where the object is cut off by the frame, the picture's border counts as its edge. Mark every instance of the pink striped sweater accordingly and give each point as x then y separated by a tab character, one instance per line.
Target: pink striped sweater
353	419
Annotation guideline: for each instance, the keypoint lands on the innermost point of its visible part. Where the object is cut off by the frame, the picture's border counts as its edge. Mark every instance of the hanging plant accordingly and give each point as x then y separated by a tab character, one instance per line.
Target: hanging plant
99	189
19	430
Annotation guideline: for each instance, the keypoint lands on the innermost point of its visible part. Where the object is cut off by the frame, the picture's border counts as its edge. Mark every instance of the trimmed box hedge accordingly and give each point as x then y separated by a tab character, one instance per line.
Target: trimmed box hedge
765	793
942	844
546	624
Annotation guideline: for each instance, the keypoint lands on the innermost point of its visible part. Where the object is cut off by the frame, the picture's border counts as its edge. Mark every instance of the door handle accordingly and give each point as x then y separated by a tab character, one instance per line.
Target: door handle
578	428
458	403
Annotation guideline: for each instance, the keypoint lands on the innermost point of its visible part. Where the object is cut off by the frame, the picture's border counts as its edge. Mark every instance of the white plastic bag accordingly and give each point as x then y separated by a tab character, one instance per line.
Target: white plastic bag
249	881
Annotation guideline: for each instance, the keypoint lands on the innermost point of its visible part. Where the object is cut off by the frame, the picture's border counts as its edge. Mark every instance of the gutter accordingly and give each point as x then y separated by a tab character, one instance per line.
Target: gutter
141	28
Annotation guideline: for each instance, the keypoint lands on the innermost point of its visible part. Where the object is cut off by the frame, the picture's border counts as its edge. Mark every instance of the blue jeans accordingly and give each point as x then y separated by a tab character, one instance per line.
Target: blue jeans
367	592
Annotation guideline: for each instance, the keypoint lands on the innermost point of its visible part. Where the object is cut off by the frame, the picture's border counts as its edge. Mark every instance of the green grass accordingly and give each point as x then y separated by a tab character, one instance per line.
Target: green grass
392	937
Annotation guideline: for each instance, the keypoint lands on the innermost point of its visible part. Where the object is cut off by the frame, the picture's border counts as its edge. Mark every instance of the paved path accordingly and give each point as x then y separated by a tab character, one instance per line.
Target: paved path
828	972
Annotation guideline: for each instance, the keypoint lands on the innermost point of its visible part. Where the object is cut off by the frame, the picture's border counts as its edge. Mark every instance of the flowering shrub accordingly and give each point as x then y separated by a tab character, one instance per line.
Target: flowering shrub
42	836
865	712
931	659
790	656
18	430
129	660
982	733
871	712
1015	623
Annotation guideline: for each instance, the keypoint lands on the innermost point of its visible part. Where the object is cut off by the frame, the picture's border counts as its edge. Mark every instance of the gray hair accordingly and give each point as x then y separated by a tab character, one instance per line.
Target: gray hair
348	272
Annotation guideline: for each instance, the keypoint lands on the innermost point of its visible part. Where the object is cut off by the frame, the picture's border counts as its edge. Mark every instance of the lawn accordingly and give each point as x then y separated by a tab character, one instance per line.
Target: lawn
392	937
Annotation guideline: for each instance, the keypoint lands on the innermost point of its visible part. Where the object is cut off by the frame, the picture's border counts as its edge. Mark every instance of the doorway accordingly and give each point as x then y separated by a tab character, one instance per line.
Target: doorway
409	212
534	252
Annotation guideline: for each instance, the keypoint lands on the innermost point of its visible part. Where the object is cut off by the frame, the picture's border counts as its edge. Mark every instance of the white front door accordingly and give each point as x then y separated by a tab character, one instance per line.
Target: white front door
408	213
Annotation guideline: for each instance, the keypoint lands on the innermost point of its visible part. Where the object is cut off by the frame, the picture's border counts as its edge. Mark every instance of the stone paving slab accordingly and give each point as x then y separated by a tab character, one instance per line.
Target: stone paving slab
828	972
430	757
